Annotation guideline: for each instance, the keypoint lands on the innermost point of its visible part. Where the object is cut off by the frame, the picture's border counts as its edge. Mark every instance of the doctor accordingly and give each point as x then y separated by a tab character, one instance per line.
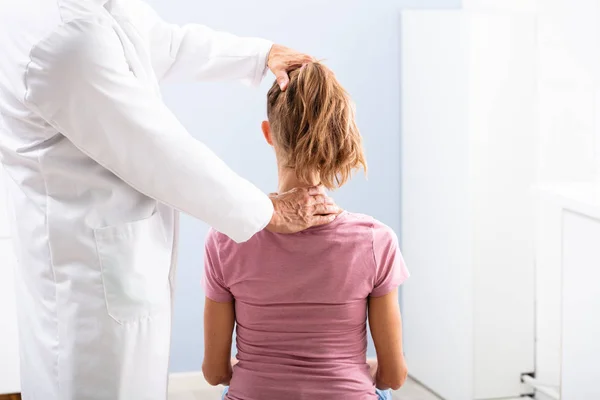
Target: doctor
97	166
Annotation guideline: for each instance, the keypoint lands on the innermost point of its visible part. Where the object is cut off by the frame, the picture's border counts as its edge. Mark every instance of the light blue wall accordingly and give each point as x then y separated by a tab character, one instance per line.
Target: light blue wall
359	41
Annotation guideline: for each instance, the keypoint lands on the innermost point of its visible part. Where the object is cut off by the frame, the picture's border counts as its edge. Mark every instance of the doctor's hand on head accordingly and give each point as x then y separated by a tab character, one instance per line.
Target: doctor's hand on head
301	208
283	59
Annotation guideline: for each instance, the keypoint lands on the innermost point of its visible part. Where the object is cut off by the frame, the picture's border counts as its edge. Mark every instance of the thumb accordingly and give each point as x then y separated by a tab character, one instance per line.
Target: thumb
282	79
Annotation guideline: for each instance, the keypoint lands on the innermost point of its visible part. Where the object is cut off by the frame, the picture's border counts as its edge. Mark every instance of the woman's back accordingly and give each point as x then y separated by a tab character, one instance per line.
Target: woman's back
301	306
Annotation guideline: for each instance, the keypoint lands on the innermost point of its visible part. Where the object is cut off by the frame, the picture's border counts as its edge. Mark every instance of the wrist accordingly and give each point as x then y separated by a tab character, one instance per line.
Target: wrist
262	63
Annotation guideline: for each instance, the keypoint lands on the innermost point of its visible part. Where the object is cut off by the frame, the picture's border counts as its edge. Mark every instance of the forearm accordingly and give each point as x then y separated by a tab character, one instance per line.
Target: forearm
194	52
395	375
202	54
219	322
386	329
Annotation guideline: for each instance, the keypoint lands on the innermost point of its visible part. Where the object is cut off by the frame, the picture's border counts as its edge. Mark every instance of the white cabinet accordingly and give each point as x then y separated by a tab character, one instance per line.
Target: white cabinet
580	306
9	348
468	165
568	300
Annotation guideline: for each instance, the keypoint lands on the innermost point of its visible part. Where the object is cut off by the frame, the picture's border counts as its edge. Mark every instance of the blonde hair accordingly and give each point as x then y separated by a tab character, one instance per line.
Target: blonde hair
313	126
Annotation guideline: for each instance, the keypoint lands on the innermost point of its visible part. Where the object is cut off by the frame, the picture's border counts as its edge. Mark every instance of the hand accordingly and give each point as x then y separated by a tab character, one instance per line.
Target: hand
300	209
283	59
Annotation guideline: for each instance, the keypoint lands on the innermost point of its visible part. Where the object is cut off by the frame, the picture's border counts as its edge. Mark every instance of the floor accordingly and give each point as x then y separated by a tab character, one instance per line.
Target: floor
410	391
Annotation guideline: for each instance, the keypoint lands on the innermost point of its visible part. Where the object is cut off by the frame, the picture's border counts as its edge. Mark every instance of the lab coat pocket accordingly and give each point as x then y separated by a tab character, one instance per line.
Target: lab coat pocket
135	261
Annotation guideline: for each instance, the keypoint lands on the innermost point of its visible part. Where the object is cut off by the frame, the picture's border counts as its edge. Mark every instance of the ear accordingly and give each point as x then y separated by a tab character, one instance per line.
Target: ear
266	128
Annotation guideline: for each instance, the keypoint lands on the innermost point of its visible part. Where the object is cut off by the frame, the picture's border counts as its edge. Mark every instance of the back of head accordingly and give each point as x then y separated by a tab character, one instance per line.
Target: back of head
313	127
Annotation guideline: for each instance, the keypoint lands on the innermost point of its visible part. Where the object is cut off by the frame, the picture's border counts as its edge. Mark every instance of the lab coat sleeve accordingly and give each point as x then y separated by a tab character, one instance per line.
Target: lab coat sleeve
78	80
195	52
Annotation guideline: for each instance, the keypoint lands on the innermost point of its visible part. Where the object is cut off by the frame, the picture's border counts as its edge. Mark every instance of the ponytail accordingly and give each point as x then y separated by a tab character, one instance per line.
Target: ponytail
313	125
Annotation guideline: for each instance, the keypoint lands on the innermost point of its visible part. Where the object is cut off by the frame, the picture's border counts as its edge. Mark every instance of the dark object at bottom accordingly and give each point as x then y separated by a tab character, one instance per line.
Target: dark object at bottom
10	397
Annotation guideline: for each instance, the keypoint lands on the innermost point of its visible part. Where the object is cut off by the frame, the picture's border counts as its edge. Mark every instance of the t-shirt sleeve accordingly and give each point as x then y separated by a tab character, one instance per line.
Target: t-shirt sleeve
213	282
390	270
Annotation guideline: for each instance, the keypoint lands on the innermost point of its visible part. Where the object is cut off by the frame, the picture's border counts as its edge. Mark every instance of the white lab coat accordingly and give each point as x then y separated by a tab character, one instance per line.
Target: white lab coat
97	166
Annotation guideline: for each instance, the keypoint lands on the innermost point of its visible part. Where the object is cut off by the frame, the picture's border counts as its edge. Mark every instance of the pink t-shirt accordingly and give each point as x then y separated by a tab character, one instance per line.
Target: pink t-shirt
301	306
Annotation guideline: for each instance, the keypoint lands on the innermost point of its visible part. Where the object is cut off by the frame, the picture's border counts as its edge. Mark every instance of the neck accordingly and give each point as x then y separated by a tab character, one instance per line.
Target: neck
288	180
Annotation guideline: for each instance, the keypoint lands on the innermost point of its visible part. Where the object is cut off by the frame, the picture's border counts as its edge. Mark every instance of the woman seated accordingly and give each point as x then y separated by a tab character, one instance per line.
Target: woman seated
300	302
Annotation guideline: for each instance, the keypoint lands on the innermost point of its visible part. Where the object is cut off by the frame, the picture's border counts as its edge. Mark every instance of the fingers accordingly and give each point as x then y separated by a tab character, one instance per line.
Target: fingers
309	196
323	220
325	209
283	59
314	200
320	199
329	200
305	59
282	79
318	196
298	209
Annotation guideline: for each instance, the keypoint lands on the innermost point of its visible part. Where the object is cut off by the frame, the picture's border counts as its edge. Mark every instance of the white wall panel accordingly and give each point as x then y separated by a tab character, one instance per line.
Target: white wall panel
502	6
468	95
566	131
437	299
502	145
568	145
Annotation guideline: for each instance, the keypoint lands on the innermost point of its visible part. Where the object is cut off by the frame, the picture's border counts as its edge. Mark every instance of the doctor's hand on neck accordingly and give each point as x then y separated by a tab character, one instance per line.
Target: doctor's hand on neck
283	59
301	208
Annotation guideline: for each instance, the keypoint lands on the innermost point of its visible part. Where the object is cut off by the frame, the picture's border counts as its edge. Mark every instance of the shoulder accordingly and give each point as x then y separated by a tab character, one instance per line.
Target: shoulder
69	59
81	30
361	221
212	248
225	241
378	230
77	40
218	240
383	239
214	238
383	234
